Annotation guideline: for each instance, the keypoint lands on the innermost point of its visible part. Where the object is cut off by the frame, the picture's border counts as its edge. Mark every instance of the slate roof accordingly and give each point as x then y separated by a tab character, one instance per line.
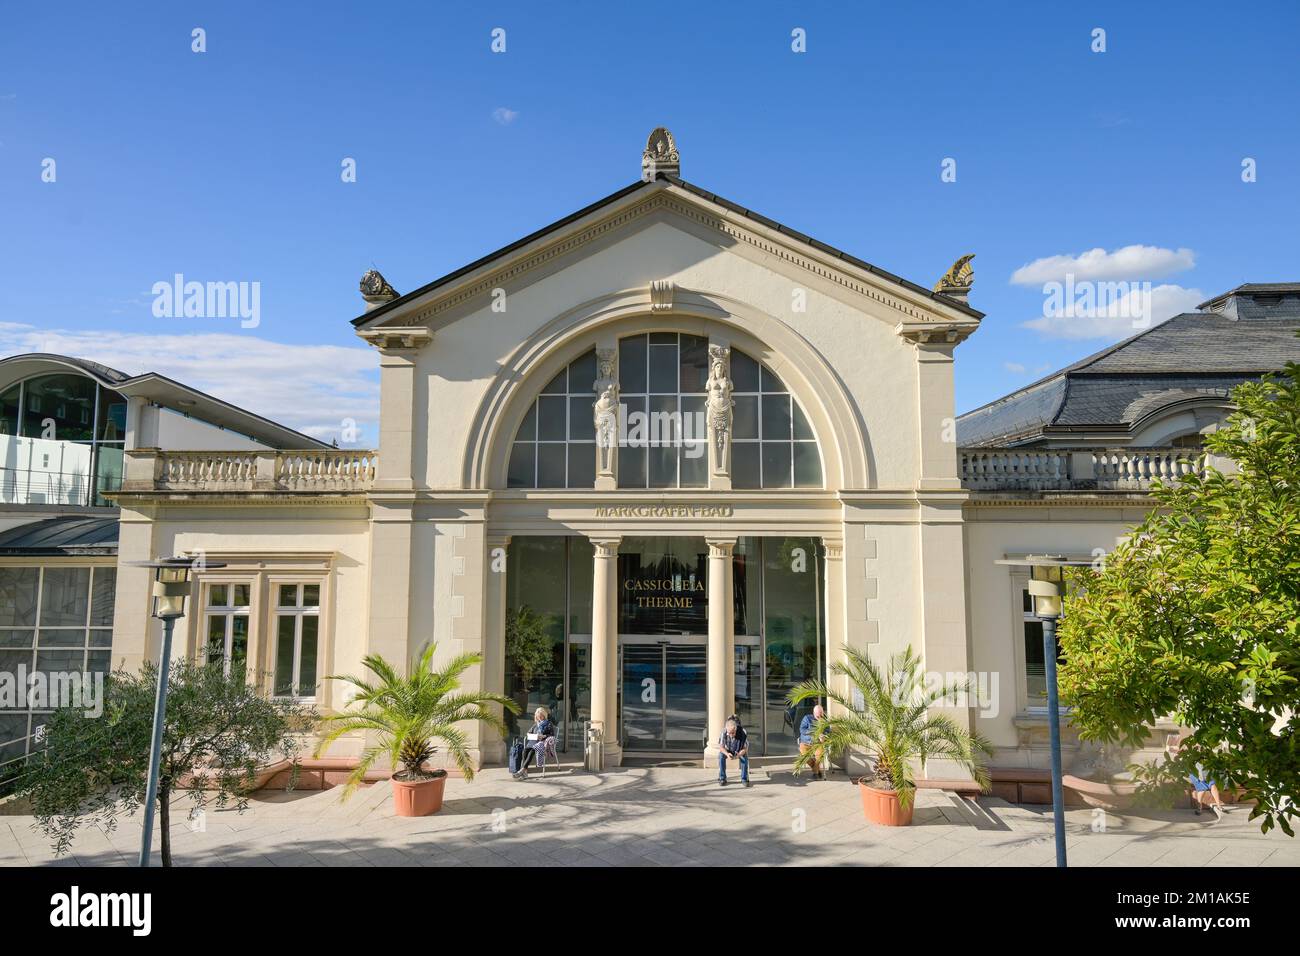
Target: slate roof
1196	354
68	535
367	318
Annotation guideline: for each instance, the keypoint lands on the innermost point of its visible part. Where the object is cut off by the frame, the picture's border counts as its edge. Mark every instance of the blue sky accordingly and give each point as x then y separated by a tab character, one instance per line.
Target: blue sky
225	165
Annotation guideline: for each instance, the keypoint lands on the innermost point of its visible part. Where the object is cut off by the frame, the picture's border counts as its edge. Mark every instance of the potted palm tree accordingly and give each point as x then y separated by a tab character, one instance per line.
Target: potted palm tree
888	717
406	715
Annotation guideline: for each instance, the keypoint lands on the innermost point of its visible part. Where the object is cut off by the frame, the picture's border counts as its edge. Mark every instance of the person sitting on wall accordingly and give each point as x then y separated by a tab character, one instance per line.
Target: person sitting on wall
1203	790
733	744
542	728
807	740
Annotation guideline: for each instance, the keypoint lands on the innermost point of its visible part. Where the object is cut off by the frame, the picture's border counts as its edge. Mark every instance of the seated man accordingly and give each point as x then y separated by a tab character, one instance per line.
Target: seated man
733	744
1205	790
543	727
807	742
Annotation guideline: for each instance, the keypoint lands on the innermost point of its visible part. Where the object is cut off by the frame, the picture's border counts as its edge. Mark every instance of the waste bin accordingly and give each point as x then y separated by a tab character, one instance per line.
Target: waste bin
594	758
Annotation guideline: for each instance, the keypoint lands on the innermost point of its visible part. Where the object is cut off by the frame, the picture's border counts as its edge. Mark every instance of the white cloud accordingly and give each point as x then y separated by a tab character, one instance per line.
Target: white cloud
311	388
1130	262
1119	317
1015	368
505	116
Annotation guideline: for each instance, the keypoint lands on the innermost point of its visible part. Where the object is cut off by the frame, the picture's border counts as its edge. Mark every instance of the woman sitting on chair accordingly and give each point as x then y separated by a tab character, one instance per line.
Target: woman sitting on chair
543	728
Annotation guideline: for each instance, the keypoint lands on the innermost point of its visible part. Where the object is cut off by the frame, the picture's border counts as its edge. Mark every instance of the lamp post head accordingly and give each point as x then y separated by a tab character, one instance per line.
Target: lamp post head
171	584
1046	580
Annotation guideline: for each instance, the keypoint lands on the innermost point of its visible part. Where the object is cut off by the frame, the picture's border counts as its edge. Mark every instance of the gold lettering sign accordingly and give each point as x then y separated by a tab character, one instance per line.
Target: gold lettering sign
665	511
680	591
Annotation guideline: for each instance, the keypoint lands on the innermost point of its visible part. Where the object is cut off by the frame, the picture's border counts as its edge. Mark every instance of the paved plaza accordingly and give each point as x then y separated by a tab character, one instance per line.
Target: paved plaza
661	816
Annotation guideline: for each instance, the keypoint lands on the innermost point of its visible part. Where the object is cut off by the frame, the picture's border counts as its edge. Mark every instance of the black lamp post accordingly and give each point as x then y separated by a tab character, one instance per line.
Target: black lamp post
1046	588
170	588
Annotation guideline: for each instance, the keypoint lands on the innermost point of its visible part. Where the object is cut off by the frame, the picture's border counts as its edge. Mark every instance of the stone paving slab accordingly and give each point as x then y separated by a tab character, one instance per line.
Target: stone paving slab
659	816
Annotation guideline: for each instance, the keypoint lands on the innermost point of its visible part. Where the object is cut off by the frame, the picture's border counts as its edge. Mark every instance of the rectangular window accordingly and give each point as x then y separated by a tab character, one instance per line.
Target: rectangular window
225	631
1035	667
297	640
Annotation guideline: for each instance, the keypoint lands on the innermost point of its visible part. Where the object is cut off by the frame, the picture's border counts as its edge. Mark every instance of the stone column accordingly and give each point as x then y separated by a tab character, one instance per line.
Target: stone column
722	653
604	645
836	619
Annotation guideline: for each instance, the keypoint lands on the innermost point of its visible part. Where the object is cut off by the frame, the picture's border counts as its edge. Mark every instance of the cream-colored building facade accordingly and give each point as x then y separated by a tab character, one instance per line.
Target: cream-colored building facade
821	392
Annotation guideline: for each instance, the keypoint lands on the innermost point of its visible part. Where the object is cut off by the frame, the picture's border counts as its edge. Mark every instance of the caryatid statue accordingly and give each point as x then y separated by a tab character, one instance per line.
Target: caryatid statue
718	388
605	411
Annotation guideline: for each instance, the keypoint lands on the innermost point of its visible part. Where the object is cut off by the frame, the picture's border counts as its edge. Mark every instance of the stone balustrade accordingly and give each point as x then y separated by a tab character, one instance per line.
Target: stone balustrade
1074	469
324	470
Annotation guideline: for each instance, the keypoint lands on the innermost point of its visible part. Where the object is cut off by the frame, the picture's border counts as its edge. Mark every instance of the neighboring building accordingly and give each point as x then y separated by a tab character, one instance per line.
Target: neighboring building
65	426
709	450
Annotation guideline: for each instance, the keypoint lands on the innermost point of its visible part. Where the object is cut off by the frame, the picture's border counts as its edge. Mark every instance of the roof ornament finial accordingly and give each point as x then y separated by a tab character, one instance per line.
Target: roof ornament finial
660	155
957	281
376	290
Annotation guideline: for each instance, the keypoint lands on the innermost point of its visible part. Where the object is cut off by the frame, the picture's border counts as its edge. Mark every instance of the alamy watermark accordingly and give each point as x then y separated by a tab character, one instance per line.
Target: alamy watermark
1090	299
208	300
52	690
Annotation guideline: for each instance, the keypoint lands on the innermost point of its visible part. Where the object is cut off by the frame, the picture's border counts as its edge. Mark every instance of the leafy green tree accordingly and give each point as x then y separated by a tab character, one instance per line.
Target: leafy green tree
528	645
405	715
889	718
217	732
1197	616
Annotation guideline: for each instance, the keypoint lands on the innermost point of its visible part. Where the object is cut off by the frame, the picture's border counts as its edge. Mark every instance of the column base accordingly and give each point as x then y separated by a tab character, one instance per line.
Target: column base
613	756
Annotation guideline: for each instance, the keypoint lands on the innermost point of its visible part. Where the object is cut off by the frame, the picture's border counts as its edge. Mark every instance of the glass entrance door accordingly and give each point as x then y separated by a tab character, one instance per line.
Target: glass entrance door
665	695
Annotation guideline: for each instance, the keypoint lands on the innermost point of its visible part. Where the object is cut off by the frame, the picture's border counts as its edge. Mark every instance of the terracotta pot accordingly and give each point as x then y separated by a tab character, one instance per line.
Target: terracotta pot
418	798
883	807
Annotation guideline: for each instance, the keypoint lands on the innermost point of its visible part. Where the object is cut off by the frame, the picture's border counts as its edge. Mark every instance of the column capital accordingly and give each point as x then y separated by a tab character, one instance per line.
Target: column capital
497	539
720	547
834	548
606	545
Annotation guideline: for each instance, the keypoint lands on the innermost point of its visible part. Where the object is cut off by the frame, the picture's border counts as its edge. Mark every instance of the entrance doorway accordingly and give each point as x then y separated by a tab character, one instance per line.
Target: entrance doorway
665	694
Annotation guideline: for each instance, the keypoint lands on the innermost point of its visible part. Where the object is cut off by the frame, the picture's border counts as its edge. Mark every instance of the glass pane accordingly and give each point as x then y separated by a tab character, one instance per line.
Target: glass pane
695	423
9	411
582	374
665	422
528	427
776	417
311	595
18	596
10	661
61	637
744	421
238	638
581	558
17	638
776	464
101	637
631	467
749	693
744	372
215	646
582	423
807	465
523	460
550	418
284	656
663	338
112	416
99	662
747	586
307	660
694	363
663	368
218	595
802	430
67	399
60	662
240	593
632	363
791	602
108	471
558	385
694	460
288	595
744	465
582	465
770	383
1035	671
65	596
663	466
550	466
535	577
663	585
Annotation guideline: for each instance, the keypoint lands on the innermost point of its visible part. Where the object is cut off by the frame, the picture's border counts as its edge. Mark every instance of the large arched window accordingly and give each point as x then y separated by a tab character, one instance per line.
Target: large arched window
66	430
663	441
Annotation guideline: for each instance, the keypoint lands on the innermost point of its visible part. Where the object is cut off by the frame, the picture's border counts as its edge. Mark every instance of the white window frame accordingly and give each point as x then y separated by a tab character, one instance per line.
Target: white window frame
298	612
229	612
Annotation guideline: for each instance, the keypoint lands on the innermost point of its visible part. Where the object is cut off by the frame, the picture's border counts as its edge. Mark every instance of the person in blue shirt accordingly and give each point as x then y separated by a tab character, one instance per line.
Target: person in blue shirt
807	741
733	744
542	728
